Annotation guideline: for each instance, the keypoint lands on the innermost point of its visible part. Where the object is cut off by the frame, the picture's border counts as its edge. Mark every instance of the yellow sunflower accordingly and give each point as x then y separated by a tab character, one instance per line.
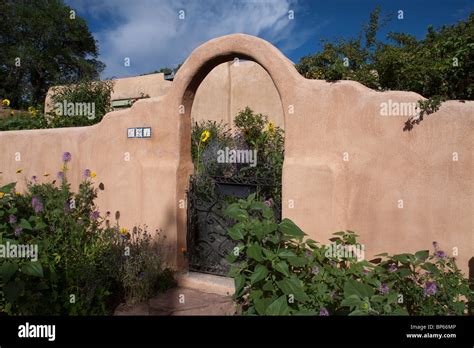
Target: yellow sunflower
271	127
205	136
32	111
5	102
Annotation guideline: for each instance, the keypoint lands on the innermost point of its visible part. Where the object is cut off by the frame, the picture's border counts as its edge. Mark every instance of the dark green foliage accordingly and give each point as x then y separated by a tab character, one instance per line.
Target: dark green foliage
53	48
279	272
97	93
441	64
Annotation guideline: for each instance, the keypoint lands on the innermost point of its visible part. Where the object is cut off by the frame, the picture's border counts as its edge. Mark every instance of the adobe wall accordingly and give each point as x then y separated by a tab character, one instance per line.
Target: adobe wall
226	90
322	192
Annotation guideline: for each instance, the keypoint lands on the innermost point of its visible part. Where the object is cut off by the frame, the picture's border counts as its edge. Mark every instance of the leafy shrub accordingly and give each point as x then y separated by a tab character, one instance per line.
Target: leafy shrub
277	272
141	272
81	267
252	132
18	122
97	93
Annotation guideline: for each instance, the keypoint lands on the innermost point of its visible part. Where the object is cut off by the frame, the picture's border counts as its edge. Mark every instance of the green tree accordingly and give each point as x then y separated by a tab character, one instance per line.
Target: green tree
43	43
440	66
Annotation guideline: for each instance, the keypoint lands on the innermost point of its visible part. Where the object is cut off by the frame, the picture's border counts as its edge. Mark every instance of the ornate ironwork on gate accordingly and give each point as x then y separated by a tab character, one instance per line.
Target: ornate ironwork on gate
207	239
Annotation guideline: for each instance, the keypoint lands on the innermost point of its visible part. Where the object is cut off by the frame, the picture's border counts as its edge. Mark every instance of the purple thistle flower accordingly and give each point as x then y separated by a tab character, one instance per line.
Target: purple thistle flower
430	288
315	270
440	254
95	215
392	268
87	173
34	178
107	213
60	175
66	156
309	253
37	205
18	231
12	219
323	312
435	245
384	289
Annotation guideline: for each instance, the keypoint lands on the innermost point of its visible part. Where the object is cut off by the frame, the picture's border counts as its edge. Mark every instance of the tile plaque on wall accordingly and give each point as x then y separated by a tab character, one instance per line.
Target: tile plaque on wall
139	132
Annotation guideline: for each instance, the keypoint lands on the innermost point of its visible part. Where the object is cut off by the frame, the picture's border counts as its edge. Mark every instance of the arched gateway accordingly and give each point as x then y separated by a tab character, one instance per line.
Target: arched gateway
346	164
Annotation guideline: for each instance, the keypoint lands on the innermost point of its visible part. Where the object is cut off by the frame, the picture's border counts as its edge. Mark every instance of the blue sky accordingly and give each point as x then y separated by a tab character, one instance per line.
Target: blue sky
152	35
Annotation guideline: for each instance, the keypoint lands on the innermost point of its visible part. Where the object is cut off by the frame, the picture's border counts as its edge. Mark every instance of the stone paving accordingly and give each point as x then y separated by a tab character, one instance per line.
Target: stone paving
181	301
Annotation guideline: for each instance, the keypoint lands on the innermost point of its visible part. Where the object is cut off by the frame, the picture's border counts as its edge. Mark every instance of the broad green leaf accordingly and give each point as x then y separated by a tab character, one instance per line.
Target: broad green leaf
377	298
268	213
235	232
40	225
7	269
268	286
239	281
297	261
269	255
255	294
430	268
32	268
350	301
259	274
290	229
262	304
25	225
8	187
282	267
286	253
404	272
403	258
255	252
233	211
293	286
422	255
278	307
353	287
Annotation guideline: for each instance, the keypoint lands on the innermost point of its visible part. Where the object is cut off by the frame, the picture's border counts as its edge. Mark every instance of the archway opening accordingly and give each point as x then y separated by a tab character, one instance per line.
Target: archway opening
236	121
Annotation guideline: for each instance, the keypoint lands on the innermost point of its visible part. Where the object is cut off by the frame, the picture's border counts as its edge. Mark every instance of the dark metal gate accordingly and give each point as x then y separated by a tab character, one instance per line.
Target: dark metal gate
208	243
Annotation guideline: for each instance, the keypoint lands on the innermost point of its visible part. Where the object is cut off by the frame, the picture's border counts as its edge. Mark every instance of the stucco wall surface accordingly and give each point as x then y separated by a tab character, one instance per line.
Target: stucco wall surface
346	166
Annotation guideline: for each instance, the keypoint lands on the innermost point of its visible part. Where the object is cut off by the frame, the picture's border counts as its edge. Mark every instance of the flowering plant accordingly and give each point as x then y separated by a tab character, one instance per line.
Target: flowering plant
80	267
279	272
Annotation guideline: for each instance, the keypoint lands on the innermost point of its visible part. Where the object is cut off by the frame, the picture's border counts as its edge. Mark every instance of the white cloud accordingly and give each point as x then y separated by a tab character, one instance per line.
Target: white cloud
151	34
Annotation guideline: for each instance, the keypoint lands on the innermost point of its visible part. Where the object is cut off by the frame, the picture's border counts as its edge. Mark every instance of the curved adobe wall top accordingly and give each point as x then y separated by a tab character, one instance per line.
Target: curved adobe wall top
226	48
